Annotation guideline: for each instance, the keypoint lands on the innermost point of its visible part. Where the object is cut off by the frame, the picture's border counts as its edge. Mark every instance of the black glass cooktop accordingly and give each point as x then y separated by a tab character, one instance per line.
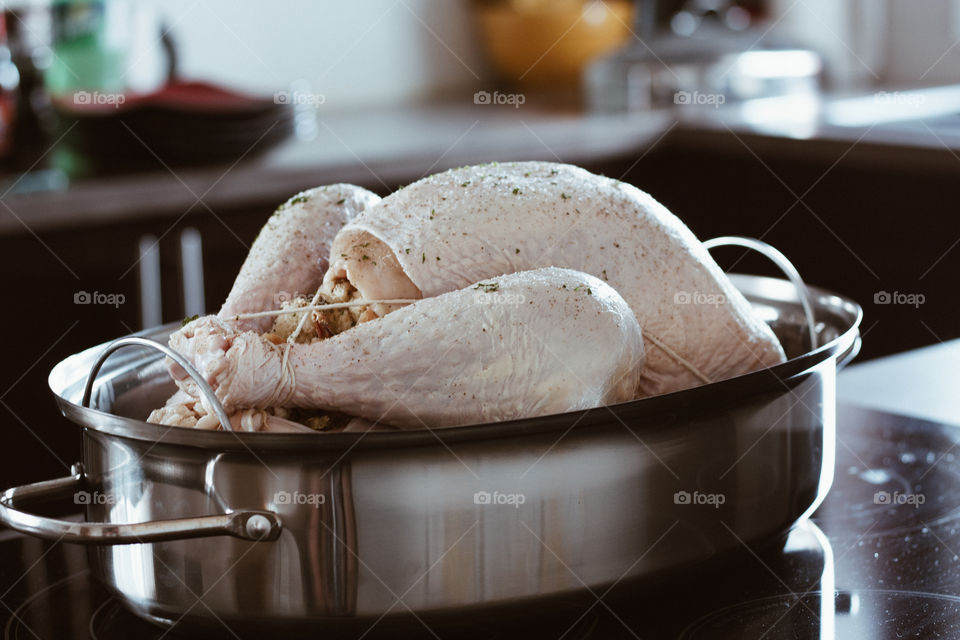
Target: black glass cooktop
880	559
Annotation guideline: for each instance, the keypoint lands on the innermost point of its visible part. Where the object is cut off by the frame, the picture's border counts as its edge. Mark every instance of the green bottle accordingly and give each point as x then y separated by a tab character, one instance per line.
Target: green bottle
89	46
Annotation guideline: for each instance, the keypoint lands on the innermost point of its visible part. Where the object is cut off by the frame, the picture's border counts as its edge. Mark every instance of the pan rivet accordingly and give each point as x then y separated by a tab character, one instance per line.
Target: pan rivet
258	526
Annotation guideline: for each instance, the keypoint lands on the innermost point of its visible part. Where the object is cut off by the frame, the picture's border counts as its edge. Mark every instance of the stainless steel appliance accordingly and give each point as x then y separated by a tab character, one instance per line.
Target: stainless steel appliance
708	53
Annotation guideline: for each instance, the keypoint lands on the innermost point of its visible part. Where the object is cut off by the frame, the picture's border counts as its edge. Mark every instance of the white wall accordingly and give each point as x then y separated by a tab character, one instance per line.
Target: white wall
865	42
358	52
354	52
849	34
924	46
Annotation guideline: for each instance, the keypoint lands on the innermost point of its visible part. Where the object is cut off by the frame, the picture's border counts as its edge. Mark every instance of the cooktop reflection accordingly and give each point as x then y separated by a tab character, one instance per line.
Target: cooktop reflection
878	560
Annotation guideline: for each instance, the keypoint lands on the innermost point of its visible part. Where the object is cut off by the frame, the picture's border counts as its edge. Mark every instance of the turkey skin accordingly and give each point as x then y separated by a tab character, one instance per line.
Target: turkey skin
518	345
457	227
289	257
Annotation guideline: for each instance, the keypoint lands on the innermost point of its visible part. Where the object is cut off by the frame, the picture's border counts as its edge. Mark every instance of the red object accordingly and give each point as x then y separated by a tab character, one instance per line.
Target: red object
178	96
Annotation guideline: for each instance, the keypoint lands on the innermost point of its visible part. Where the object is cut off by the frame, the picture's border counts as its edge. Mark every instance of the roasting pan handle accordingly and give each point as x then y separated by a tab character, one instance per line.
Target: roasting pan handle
202	385
247	525
784	264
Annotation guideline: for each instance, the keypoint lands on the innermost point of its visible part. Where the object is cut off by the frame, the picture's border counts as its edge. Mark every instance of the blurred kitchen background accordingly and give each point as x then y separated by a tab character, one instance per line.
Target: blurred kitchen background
143	144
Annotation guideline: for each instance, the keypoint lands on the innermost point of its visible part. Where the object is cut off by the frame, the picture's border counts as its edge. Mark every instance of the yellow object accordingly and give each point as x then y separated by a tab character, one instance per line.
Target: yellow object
539	41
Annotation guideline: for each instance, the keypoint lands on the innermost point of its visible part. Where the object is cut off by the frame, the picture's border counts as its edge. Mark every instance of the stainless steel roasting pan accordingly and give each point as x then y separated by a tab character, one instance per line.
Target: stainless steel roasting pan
291	533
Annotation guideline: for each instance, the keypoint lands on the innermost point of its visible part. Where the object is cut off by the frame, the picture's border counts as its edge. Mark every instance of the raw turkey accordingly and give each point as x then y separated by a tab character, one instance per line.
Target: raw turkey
182	410
519	345
289	257
460	226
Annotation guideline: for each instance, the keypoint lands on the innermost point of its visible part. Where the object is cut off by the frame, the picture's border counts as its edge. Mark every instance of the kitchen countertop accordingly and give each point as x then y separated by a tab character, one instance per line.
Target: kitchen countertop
380	147
922	383
385	146
881	127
